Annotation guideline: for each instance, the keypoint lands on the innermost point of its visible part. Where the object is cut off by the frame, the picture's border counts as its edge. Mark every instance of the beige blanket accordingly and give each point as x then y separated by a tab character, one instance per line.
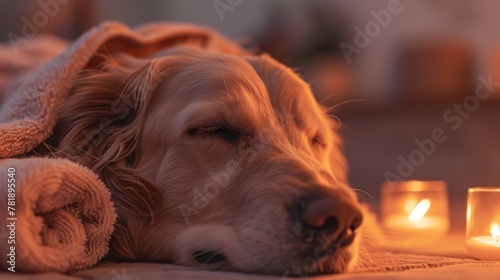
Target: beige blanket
62	213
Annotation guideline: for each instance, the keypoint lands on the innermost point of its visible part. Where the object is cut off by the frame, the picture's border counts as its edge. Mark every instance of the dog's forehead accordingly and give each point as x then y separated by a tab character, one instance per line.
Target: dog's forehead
289	95
271	88
251	88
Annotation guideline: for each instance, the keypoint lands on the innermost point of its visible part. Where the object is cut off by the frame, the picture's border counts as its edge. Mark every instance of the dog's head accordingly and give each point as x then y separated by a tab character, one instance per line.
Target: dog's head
214	160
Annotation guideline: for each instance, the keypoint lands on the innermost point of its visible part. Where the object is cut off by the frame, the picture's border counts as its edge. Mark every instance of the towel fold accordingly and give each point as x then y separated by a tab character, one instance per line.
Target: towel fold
55	221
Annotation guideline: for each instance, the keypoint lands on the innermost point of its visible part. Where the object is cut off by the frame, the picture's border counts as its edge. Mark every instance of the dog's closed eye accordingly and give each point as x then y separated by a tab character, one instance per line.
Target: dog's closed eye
220	130
317	140
209	257
225	132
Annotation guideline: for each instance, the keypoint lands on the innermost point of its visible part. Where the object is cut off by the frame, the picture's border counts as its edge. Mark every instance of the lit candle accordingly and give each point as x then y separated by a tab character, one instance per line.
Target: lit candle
486	247
416	222
414	209
483	236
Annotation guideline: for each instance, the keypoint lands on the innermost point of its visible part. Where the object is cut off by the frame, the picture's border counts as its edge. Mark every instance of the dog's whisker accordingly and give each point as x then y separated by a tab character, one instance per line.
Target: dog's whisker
322	101
363	192
337	119
364	253
327	110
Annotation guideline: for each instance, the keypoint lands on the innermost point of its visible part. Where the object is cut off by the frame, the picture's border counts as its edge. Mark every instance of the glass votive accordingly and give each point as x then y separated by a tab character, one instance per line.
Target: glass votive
415	210
483	223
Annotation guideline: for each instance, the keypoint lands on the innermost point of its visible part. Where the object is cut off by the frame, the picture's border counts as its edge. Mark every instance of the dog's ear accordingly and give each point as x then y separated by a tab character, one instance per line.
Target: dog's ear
282	80
99	125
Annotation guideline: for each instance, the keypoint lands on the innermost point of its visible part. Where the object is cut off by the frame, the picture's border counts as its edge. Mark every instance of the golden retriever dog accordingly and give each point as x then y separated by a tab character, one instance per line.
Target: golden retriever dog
216	161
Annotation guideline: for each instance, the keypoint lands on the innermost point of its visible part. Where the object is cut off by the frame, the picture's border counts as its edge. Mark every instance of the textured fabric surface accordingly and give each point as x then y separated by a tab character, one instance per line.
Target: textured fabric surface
446	259
62	218
447	251
386	261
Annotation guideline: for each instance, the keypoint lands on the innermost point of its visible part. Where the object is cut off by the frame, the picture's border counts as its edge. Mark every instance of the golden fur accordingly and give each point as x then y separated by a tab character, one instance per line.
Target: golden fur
160	132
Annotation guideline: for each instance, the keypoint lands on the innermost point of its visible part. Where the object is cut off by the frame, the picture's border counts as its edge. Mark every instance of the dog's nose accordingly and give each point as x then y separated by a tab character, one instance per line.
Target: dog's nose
332	217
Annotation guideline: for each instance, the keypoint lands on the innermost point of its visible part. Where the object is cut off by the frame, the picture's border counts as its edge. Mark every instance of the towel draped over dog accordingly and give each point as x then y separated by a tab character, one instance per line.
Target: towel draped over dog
63	215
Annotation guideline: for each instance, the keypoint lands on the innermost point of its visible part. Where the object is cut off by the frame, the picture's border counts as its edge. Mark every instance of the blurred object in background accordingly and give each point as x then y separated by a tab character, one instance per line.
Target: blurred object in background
435	71
67	19
331	79
316	55
276	38
495	72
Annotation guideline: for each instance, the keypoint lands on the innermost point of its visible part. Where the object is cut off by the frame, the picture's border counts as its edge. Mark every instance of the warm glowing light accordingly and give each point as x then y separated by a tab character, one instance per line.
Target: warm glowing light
410	204
495	232
420	210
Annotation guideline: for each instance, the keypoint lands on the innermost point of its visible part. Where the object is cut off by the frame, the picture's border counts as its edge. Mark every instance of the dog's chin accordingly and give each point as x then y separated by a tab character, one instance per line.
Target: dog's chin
324	260
215	242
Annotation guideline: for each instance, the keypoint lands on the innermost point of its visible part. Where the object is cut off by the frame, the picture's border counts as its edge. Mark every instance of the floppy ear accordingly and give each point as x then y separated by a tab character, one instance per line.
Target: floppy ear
98	126
281	79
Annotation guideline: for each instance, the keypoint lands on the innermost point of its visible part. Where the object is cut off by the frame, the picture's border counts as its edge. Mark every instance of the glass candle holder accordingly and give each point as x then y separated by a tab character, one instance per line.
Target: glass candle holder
483	223
413	210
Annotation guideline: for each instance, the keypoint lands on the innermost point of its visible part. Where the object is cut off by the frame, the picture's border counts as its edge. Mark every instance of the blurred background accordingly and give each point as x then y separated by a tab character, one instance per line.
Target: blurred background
392	71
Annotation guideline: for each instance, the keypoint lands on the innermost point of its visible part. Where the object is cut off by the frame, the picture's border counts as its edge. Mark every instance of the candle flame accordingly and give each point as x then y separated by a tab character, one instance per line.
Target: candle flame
410	204
420	210
495	232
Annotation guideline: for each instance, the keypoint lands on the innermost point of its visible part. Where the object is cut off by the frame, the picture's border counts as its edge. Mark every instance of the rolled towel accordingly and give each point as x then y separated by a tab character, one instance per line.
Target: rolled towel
62	219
